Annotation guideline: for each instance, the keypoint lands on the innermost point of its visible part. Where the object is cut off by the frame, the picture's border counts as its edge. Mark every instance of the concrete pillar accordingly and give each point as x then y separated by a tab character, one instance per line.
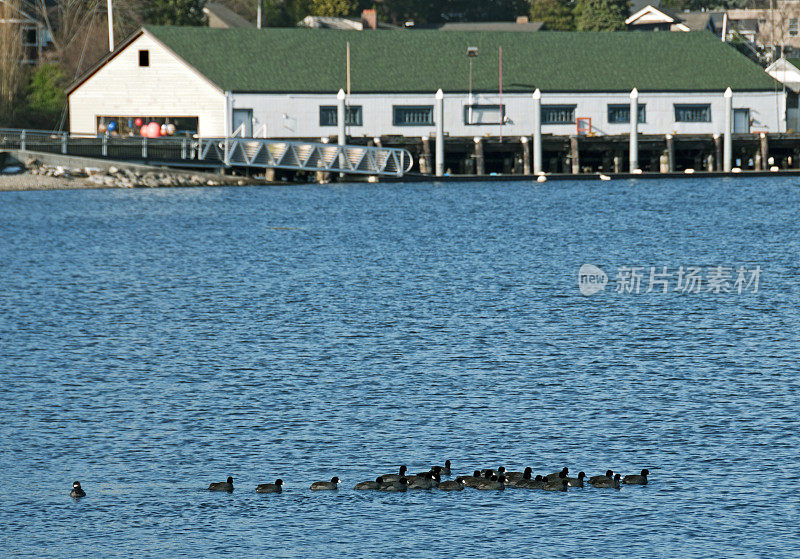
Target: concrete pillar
425	160
727	155
709	162
718	151
617	163
670	153
378	142
269	175
634	136
764	150
526	156
537	132
480	167
574	155
440	133
340	122
340	117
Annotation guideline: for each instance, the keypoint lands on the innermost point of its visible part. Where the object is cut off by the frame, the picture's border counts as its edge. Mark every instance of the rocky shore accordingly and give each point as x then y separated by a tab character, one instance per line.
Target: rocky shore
33	175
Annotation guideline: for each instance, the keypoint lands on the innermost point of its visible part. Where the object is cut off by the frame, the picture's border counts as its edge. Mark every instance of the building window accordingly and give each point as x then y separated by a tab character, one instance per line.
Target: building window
405	115
692	113
329	115
558	114
484	114
144	58
794	27
621	114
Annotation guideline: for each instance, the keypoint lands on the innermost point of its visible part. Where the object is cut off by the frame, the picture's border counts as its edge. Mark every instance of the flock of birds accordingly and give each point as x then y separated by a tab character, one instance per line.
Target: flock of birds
483	480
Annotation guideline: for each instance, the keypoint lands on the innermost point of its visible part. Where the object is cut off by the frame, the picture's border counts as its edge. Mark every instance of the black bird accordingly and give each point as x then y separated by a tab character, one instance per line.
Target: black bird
394	486
637	480
371	485
576	481
270	487
536	483
492	484
444	470
426	481
451	485
222	485
471	481
519	482
607	483
76	490
563	473
331	485
558	484
516	476
488	472
395	477
609	474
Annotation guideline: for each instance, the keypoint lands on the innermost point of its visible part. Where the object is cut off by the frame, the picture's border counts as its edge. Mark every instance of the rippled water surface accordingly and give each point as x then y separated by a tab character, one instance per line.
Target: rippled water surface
153	341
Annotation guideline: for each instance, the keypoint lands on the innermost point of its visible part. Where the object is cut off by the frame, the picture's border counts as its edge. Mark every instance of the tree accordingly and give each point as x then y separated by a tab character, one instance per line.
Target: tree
601	15
556	14
174	12
332	8
11	72
46	95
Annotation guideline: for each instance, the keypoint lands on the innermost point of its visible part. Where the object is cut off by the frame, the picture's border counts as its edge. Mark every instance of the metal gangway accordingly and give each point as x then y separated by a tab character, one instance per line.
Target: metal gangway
233	152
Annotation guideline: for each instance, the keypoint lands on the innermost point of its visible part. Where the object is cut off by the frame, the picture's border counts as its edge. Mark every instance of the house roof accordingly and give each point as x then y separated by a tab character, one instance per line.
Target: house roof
699	21
638	5
314	61
222	16
491	26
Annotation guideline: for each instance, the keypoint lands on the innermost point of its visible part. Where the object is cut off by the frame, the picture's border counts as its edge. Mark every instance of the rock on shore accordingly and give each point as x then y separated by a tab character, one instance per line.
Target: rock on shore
45	177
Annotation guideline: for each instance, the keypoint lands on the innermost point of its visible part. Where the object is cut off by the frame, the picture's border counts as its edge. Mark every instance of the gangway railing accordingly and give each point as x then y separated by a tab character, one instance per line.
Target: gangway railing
256	153
307	156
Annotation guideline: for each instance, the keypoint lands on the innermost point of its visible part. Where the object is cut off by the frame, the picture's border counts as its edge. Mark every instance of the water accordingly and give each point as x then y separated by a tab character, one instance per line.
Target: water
154	341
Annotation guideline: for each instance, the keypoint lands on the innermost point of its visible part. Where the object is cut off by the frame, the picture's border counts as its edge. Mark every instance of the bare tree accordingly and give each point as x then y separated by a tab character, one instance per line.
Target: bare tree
11	71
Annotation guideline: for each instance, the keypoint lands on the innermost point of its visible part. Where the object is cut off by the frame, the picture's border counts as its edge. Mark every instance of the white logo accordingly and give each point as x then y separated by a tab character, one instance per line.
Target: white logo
591	279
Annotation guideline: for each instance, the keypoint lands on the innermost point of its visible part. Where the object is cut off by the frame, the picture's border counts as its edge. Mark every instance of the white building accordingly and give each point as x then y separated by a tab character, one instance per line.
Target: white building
282	83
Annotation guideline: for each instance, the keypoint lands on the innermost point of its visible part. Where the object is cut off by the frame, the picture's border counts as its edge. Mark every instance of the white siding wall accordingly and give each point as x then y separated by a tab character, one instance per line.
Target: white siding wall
297	116
168	87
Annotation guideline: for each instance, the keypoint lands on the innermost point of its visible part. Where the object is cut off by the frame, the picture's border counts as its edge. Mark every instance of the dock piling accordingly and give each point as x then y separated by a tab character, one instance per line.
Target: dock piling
764	150
480	166
718	151
574	155
670	153
537	132
526	156
634	137
425	160
440	133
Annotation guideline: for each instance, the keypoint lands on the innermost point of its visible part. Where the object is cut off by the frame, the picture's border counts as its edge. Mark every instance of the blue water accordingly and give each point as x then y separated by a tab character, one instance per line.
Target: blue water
154	341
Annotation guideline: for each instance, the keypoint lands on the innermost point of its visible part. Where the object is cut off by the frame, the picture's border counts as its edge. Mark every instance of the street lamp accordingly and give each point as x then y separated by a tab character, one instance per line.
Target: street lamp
472	52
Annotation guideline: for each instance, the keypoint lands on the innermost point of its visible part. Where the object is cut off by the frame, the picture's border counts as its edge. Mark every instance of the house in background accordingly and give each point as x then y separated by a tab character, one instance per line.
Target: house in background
787	72
369	20
21	19
652	18
222	17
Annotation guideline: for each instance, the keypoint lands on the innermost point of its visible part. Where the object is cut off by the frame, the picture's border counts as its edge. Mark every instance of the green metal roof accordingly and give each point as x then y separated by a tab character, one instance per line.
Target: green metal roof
314	60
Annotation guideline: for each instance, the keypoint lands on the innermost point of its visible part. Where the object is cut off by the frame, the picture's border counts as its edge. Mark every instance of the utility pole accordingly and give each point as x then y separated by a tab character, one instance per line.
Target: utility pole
258	12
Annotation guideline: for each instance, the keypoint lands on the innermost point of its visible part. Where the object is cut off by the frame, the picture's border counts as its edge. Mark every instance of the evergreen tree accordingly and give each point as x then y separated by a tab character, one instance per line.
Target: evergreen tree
332	8
556	14
174	12
601	15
